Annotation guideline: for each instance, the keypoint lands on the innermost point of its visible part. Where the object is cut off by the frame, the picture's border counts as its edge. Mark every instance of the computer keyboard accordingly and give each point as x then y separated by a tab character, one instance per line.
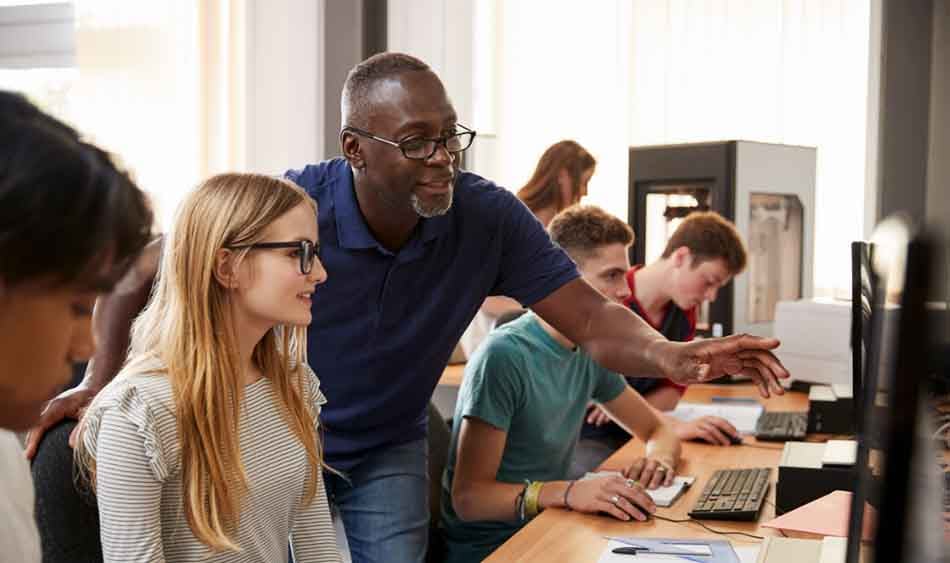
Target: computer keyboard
733	494
781	426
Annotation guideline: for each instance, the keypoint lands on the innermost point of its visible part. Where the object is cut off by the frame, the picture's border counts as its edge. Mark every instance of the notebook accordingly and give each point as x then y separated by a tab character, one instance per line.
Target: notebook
662	496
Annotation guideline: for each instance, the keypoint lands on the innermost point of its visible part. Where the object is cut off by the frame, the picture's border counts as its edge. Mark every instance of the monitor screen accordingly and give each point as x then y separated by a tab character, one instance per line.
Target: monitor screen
897	471
861	298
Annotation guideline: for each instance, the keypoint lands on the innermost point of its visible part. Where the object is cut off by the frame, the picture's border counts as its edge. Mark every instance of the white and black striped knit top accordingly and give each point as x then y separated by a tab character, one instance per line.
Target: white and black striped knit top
134	439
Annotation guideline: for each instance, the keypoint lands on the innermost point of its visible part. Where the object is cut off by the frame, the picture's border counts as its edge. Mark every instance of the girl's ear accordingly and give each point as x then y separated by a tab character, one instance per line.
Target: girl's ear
225	271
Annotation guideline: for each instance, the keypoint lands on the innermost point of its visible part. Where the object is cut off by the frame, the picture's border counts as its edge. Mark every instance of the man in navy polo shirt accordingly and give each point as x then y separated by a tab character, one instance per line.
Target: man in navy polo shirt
413	246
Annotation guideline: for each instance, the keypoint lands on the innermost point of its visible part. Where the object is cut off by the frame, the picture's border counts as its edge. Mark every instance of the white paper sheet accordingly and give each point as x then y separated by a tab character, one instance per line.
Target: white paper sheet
743	417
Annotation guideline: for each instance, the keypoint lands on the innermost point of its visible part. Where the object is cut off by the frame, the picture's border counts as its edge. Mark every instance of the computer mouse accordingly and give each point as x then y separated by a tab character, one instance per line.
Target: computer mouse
735	440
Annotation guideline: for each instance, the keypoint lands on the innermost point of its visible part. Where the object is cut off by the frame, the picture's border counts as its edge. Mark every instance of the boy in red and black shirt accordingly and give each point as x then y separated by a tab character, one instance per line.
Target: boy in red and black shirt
701	257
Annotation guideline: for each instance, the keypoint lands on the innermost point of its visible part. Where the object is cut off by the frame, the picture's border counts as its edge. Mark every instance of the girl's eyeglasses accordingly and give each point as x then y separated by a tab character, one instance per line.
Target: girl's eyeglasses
308	251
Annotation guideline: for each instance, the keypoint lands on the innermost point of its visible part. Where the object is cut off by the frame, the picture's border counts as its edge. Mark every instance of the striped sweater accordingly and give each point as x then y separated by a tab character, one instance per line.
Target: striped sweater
134	439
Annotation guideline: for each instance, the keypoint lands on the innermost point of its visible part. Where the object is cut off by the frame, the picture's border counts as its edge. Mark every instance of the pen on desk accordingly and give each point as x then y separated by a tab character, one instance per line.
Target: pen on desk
634	548
630	550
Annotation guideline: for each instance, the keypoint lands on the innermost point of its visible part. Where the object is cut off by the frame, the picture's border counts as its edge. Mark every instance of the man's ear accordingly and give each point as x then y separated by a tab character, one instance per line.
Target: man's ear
681	257
225	271
350	144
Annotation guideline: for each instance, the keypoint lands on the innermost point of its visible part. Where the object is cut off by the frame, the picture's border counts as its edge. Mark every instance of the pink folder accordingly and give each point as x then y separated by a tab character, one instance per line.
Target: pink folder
826	516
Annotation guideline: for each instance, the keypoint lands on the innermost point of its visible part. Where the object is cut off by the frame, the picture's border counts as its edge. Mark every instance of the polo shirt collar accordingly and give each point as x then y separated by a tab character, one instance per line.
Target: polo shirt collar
352	230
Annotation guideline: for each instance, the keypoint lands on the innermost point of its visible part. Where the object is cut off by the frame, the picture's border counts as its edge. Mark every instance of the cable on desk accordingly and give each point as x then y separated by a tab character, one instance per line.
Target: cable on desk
713	530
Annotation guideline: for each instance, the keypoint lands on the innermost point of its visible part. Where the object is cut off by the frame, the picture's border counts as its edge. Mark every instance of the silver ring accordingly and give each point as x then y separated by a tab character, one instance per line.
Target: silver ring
614	499
631	483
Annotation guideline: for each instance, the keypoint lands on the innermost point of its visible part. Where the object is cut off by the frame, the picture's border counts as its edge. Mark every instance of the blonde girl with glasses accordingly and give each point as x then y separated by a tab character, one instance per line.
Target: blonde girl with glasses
206	447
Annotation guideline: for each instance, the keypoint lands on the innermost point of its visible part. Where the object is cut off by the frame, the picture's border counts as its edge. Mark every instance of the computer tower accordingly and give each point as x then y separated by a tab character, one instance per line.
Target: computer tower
767	190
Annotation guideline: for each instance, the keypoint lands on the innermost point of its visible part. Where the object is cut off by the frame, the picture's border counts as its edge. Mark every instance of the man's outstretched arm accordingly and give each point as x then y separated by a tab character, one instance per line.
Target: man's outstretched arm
621	341
111	324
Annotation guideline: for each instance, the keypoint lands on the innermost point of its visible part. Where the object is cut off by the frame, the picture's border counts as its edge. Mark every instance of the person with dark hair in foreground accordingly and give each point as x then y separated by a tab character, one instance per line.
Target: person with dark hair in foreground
413	246
71	224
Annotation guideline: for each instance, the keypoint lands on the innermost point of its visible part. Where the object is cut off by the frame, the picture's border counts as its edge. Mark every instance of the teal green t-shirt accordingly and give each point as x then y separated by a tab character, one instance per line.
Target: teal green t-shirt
522	381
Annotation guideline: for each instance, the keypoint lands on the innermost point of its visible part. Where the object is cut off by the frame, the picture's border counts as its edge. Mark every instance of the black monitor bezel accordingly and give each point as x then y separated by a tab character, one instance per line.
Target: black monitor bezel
909	367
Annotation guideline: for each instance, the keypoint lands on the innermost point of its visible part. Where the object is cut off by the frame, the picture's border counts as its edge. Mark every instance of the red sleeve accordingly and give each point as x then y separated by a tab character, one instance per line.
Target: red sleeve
670	384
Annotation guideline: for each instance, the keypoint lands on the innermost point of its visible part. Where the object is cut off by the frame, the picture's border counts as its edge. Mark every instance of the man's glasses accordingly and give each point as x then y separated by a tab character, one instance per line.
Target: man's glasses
306	250
422	148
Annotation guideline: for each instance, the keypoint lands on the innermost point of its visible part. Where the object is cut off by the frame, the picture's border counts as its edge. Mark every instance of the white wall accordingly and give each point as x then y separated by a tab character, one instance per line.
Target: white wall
440	32
33	36
560	76
497	73
284	84
872	147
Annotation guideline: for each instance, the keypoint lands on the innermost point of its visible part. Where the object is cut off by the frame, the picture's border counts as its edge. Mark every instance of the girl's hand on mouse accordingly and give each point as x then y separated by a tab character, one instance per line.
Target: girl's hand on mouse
621	497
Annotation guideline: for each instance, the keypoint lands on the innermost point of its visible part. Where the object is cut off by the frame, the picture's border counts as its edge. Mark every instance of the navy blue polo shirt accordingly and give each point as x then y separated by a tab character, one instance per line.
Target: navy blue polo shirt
385	323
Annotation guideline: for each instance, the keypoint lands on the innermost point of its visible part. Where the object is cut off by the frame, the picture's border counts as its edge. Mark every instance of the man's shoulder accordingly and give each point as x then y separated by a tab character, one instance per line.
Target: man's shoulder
317	178
474	193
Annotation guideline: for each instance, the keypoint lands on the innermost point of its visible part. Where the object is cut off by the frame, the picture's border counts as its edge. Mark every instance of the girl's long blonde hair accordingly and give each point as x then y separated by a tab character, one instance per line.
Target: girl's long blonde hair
186	333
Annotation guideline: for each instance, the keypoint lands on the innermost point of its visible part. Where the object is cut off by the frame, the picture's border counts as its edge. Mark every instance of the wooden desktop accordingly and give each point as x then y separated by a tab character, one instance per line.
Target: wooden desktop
565	536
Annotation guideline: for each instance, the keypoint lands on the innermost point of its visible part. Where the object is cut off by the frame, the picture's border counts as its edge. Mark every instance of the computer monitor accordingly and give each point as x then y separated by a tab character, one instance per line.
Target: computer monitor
891	444
862	283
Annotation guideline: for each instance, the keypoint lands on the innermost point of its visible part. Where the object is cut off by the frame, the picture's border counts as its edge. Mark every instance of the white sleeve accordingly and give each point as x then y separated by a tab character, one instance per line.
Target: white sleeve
128	493
313	537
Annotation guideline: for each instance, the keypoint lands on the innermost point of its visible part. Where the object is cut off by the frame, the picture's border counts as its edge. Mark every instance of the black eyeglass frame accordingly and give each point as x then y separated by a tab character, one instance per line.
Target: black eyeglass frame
309	251
436	141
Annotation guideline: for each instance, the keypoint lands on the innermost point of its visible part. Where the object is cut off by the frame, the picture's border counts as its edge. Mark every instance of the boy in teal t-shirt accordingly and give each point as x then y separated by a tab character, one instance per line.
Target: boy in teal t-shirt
521	405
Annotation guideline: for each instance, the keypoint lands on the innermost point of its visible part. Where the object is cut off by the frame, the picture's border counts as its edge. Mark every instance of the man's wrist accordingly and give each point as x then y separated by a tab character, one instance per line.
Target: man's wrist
658	354
92	382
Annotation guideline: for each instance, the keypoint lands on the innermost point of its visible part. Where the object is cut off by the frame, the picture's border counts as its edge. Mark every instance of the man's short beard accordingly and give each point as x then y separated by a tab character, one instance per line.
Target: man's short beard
441	206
